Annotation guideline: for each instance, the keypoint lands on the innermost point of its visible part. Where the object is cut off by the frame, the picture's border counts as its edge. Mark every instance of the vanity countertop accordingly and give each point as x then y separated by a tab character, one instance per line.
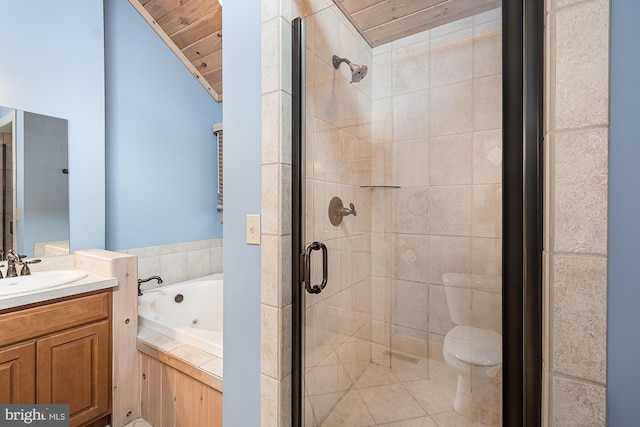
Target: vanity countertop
93	282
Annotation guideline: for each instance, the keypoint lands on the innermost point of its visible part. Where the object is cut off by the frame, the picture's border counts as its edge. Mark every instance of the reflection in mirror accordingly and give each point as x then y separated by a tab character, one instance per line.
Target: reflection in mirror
33	184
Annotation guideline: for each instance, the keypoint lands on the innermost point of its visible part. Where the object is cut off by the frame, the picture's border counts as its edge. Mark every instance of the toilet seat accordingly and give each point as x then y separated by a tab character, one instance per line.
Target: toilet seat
475	346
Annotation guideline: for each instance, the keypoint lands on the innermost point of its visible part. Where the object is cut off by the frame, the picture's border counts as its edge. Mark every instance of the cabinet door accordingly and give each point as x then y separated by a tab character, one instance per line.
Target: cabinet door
17	374
73	369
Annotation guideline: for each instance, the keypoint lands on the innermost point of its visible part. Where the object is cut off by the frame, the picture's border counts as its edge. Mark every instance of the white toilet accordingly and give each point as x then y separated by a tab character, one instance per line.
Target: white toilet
474	346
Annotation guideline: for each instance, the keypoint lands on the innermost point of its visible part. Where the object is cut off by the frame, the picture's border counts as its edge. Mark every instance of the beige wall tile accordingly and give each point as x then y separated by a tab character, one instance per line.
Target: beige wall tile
486	310
412	163
269	401
383	164
581	177
582	65
271	54
322	194
384	120
271	127
411	301
270	343
326	160
487	55
448	254
450	159
383	262
216	259
411	206
410	67
270	262
172	268
452	111
487	102
453	32
450	210
362	203
562	3
381	74
269	9
487	157
324	91
439	318
577	404
486	255
148	267
271	199
412	114
198	263
489	16
411	257
486	217
406	41
285	343
381	299
579	317
452	63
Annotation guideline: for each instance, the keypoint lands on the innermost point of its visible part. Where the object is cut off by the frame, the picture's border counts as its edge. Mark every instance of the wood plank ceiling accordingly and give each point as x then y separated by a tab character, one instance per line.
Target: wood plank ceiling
192	29
382	21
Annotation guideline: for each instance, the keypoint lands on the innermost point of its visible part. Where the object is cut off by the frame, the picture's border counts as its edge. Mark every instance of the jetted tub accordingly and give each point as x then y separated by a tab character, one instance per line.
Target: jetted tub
196	320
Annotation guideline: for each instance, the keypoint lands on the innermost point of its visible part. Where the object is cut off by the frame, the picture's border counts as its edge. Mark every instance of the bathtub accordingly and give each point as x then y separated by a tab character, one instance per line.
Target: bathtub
196	320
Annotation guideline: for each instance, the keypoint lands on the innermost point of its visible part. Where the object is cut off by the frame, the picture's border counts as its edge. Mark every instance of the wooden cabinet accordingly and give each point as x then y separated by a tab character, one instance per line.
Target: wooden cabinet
59	353
17	376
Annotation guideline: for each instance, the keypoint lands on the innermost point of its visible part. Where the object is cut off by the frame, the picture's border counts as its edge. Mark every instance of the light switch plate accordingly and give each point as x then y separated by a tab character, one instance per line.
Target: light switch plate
253	229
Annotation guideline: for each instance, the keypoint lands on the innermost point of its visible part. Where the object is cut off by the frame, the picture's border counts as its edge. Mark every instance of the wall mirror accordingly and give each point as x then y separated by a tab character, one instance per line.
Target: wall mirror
34	184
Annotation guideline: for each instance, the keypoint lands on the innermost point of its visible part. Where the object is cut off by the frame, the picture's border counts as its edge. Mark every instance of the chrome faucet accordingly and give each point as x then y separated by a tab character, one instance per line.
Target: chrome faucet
141	281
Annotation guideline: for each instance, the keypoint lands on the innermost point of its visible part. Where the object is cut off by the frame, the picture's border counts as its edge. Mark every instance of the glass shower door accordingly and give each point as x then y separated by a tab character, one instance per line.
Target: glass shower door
402	191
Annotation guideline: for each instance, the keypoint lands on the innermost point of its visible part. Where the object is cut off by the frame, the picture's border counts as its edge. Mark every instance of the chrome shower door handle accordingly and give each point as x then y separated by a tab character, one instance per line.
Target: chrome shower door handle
315	289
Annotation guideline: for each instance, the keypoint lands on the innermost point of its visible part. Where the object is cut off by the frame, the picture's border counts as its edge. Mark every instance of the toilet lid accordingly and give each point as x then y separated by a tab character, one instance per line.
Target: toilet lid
475	345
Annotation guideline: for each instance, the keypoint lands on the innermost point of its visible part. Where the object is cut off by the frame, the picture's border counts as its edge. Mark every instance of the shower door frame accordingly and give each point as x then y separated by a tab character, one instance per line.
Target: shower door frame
522	88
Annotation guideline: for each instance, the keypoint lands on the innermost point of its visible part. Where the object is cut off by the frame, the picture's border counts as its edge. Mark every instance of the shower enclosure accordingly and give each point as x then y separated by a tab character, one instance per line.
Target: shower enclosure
416	288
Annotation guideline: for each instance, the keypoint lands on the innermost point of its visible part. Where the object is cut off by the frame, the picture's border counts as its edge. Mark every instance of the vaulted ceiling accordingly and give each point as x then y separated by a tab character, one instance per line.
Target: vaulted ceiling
193	28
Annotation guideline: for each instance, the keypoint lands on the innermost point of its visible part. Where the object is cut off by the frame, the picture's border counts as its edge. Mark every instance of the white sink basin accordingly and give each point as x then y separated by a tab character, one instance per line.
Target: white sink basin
39	280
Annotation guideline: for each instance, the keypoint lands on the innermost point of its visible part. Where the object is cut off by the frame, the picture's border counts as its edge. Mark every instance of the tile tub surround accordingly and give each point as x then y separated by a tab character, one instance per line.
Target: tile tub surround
196	363
178	262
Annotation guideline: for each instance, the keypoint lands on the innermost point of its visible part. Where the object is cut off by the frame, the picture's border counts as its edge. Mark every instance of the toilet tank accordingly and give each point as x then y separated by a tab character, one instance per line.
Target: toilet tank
474	300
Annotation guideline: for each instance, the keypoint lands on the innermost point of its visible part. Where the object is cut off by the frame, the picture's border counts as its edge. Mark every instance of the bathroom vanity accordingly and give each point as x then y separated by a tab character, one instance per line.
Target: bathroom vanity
59	350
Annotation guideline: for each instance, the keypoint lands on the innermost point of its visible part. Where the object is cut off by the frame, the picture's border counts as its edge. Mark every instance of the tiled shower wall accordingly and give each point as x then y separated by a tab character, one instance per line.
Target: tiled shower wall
576	111
338	328
575	229
437	135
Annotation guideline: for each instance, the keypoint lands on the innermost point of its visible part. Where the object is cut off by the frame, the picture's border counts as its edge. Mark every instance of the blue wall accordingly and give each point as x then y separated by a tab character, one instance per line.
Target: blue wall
623	362
161	152
53	64
241	58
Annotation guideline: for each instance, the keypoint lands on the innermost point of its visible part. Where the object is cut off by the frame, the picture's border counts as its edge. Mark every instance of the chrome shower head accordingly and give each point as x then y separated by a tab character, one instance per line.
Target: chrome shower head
357	71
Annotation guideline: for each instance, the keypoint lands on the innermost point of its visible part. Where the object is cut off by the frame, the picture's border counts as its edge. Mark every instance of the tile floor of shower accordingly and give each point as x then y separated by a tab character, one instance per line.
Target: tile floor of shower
417	393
